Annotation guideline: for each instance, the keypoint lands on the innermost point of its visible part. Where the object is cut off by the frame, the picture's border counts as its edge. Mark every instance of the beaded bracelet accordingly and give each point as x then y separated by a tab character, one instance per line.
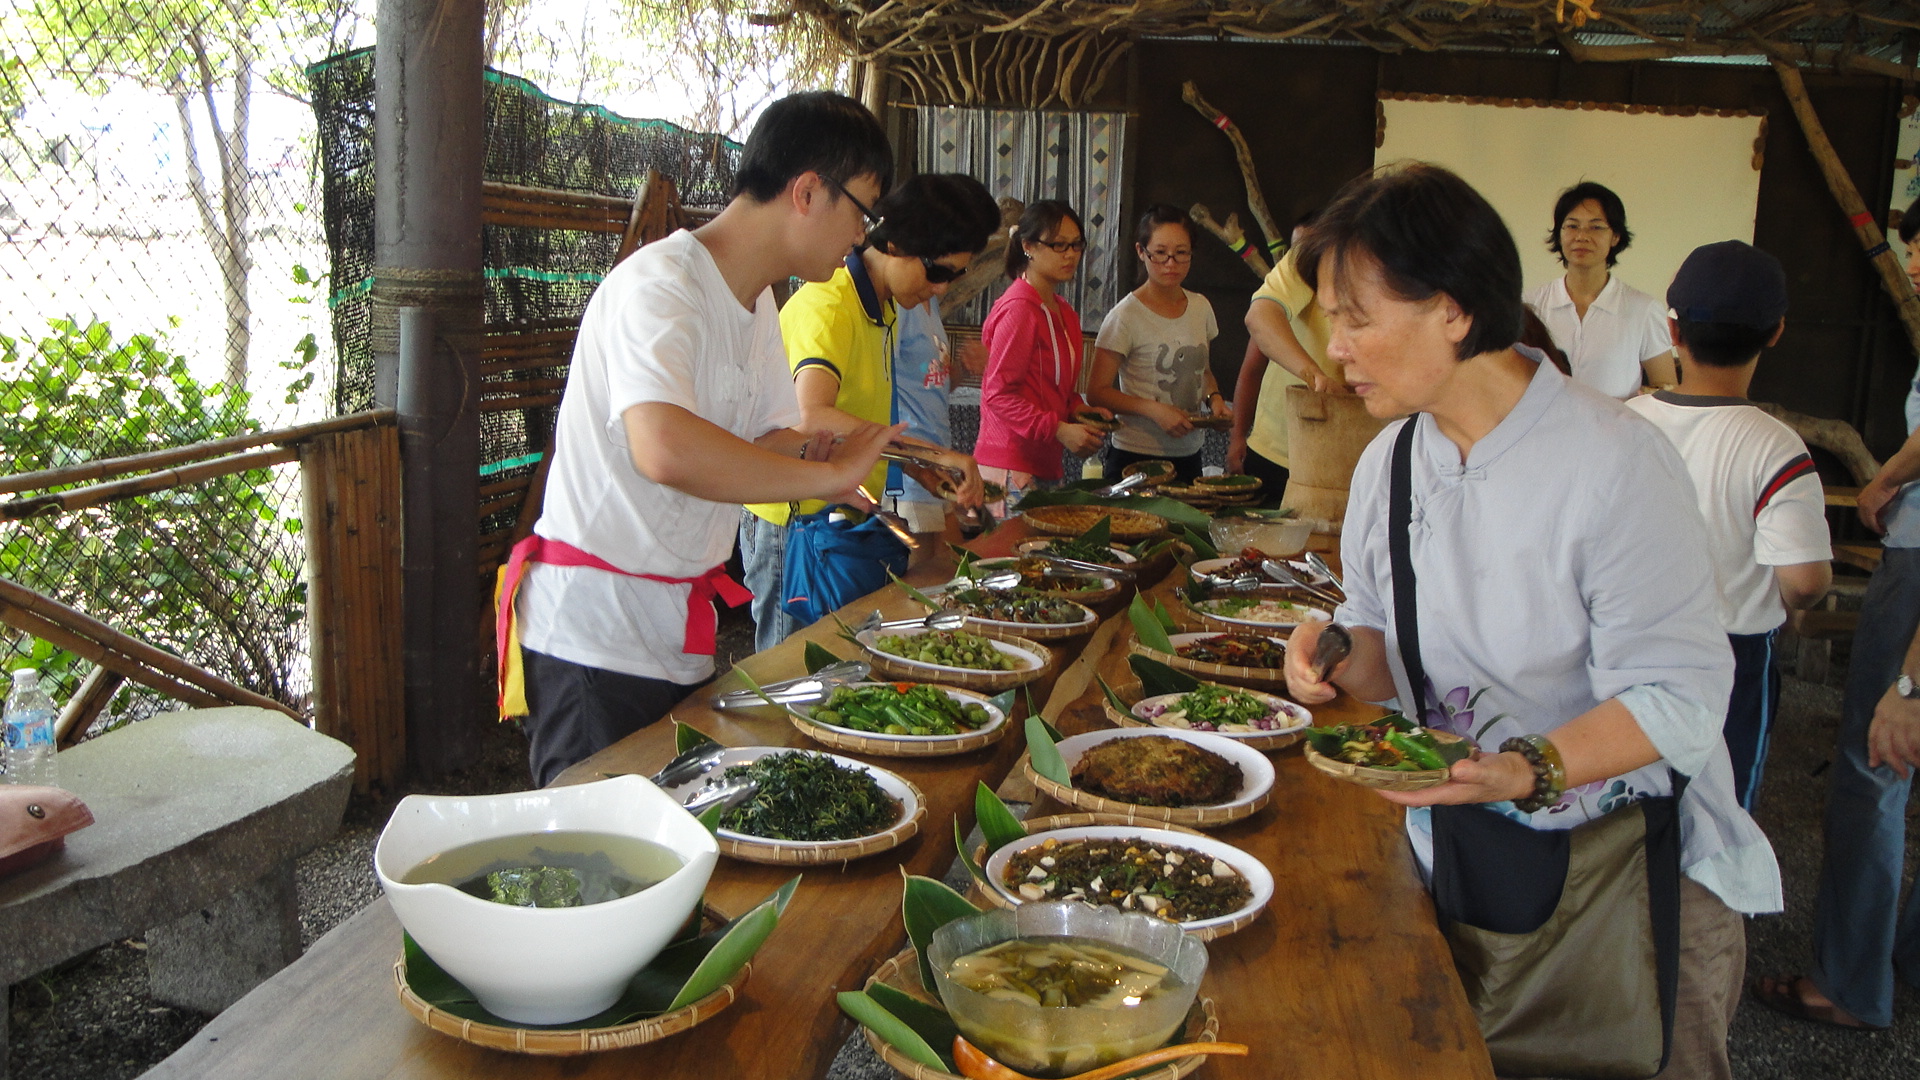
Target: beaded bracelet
1549	771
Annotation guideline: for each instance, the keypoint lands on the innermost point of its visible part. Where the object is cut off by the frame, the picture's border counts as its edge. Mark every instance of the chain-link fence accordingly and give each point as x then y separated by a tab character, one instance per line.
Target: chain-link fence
164	275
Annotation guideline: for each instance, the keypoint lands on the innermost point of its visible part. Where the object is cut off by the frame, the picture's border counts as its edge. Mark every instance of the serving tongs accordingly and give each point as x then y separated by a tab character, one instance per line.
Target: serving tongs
1334	645
1320	567
922	457
1284	574
946	618
895	524
801	690
1124	484
997	581
727	793
1079	567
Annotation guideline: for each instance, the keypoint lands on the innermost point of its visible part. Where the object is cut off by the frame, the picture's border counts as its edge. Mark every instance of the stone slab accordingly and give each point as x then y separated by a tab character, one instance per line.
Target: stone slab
210	957
188	807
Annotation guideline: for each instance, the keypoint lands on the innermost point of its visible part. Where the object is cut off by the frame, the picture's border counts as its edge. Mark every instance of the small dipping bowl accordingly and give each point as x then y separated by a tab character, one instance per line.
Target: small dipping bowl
1044	1041
544	965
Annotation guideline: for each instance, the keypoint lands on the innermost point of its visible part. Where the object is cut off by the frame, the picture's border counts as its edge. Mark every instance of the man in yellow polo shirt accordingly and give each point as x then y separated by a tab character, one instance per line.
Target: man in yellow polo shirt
1288	330
841	340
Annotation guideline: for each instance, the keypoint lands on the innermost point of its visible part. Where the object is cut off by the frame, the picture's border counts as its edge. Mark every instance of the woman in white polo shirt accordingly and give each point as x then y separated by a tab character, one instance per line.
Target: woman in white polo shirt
1613	334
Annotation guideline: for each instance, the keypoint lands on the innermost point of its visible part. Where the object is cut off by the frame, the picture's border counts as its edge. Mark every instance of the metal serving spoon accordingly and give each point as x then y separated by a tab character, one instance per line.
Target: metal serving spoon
1284	574
1335	645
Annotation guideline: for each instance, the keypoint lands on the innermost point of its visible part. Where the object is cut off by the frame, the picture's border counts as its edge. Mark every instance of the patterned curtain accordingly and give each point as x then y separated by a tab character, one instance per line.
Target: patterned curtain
1076	156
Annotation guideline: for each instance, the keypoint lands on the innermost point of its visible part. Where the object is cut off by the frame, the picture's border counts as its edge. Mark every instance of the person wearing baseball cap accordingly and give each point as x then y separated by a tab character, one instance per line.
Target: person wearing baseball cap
1756	485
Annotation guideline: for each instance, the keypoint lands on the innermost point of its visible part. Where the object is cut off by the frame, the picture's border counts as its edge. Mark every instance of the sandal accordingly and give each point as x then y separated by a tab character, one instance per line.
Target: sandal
1787	996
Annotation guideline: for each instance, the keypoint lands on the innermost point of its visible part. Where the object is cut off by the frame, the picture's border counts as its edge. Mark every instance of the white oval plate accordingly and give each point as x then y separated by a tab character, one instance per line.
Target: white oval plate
995	717
1213	566
896	787
1257	875
1087	616
1177	640
1041	543
1026	660
1256	771
1300	719
1309	614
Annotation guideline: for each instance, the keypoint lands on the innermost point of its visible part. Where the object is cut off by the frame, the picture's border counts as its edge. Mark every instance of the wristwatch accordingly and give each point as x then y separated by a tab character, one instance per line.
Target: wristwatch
1906	687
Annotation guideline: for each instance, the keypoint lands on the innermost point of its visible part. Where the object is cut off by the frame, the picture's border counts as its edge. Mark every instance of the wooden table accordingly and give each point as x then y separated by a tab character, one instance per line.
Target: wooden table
1345	976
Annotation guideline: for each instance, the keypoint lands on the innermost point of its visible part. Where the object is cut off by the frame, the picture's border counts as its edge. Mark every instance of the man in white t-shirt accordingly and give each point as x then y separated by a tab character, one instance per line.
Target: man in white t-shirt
1756	485
679	408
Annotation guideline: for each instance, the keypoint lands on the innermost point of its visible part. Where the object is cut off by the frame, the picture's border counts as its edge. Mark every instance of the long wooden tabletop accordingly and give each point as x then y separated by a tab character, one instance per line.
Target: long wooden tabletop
1345	976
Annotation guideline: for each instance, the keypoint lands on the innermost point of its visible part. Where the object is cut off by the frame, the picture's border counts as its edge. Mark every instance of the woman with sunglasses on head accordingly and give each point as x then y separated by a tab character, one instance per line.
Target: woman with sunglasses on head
842	340
1614	335
1155	342
1034	348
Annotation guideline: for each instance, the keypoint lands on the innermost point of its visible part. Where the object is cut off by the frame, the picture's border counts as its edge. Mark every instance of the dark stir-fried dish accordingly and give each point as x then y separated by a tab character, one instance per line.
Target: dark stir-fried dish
1021	605
809	797
1157	770
1173	883
1235	650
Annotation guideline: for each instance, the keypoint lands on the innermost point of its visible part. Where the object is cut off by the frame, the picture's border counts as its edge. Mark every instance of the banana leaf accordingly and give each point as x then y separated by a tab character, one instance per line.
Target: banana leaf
1080	494
711	817
1044	754
1101	534
684	972
997	824
929	1021
914	593
894	1031
966	857
1113	699
927	905
1157	678
1147	625
818	656
686	737
1003	701
1198	540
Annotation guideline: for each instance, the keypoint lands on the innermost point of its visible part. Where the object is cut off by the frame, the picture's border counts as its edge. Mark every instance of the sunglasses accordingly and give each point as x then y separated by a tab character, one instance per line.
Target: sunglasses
940	273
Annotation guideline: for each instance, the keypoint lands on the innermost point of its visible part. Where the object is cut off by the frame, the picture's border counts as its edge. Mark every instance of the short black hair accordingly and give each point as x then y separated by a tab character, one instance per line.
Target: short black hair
819	132
1038	220
1722	344
1161	214
1611	208
1910	222
936	214
1429	232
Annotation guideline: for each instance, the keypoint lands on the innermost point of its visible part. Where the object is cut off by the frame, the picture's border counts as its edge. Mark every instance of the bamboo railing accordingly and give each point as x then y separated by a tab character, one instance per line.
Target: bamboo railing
350	483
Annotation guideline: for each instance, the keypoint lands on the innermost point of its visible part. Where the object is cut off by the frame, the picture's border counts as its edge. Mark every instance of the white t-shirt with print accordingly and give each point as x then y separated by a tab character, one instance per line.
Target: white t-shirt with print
1161	359
1757	489
1624	328
662	327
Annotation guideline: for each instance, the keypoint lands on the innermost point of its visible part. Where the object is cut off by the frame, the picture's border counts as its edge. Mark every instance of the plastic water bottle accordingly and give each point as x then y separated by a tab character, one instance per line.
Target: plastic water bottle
29	732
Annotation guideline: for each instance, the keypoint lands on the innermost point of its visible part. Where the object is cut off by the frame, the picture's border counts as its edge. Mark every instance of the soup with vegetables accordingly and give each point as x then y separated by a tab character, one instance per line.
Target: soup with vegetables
550	869
1057	973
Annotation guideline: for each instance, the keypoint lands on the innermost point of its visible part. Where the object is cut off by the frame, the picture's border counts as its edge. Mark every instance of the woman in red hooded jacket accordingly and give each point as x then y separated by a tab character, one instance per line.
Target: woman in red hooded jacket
1034	351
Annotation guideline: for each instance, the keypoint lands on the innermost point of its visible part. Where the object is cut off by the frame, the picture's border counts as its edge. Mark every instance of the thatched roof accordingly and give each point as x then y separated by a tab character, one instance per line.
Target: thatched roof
972	51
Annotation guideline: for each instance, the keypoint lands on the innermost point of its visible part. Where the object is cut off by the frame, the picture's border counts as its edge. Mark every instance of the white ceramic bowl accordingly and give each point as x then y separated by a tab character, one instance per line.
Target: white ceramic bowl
1024	660
543	965
1259	878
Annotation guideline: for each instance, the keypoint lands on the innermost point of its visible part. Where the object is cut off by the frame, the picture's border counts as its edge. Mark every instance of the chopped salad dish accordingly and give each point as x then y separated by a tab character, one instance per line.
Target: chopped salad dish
1392	742
1216	708
1173	883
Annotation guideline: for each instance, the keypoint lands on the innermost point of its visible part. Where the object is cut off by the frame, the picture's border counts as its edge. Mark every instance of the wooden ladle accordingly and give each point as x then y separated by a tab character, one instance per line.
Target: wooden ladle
976	1065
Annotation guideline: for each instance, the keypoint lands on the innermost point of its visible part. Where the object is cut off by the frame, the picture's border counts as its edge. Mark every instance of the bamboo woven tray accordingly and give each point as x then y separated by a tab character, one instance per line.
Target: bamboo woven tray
567	1042
899	746
1383	779
814	854
1271	679
983	893
902	972
1074	520
1131	692
1033	631
1197	816
888	666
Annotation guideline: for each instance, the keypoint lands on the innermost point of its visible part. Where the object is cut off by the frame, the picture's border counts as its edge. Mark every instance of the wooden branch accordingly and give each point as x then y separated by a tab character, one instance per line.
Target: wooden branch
1812	56
1257	202
1233	236
157	459
115	490
95	693
1865	227
52	621
550	208
1837	437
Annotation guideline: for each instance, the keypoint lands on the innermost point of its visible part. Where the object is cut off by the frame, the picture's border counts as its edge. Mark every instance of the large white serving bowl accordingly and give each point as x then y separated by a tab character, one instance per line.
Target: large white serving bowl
543	965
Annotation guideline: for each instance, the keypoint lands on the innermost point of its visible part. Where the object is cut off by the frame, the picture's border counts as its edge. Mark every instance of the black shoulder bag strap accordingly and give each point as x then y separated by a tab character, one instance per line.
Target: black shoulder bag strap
1406	619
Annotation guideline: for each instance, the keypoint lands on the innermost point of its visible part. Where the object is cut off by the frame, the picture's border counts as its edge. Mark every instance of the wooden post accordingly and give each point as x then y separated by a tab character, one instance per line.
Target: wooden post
1865	227
350	484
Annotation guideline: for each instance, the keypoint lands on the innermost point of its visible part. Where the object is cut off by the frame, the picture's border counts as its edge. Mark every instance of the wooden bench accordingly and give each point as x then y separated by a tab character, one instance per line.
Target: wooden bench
198	816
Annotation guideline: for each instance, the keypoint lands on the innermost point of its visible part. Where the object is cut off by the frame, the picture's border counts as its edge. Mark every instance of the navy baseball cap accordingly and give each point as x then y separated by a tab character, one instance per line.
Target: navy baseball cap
1729	282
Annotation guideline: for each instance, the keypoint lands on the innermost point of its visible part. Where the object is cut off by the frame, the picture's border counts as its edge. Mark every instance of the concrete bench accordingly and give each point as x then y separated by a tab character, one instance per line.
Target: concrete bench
198	817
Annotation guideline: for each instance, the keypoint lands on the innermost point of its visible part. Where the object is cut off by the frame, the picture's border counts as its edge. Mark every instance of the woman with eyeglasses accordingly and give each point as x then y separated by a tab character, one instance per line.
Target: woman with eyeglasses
1034	349
1154	342
843	338
1614	335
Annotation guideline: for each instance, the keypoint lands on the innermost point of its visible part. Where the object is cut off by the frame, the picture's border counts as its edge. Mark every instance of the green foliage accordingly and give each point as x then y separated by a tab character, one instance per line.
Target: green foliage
209	570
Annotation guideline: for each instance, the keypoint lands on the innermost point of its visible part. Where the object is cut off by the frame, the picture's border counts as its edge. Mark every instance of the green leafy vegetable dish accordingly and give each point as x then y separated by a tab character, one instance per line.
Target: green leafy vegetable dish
900	709
1084	550
1392	742
948	648
808	797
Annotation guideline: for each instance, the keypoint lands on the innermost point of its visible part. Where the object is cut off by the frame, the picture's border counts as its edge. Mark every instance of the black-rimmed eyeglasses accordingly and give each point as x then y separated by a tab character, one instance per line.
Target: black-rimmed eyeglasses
874	220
